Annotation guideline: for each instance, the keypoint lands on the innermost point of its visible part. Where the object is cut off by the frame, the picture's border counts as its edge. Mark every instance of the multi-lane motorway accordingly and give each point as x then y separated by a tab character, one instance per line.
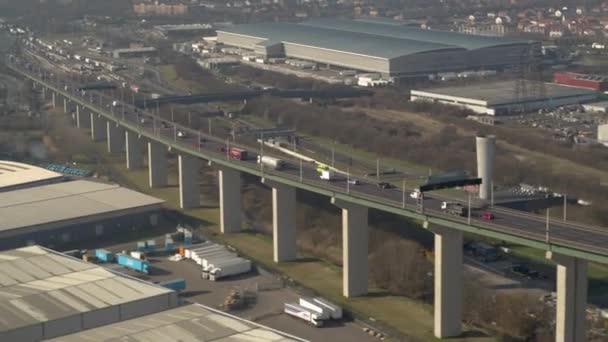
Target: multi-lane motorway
569	237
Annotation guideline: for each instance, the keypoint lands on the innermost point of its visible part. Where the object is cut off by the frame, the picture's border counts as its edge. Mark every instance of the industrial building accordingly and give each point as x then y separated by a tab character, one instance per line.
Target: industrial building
46	294
499	98
55	214
146	51
14	175
595	82
602	134
385	47
187	323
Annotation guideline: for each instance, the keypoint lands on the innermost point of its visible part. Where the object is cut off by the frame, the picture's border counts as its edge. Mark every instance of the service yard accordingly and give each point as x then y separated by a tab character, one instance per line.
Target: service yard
265	293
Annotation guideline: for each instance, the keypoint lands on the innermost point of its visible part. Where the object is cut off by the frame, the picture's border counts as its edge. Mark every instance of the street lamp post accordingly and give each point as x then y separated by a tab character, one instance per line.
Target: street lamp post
403	194
469	210
547	227
301	170
378	169
565	207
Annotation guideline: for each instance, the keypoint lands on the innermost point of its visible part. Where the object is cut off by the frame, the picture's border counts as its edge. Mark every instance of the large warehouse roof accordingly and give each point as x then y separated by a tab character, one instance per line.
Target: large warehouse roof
57	203
38	285
13	174
503	92
392	29
360	43
187	323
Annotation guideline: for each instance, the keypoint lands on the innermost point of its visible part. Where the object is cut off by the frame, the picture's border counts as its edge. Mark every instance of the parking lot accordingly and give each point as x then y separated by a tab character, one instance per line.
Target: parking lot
265	291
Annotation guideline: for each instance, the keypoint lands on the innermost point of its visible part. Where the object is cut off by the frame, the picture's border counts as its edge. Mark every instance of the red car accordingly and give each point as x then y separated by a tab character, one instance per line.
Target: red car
487	216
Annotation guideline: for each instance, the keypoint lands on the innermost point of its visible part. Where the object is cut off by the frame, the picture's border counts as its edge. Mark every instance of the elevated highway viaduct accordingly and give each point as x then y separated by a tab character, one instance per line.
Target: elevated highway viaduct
568	244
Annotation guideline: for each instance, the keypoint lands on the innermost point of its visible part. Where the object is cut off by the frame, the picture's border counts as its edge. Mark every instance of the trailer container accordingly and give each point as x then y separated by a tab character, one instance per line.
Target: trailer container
174	284
188	250
151	245
209	265
321	311
230	269
303	313
138	255
132	263
335	311
210	258
271	162
141	246
104	255
237	153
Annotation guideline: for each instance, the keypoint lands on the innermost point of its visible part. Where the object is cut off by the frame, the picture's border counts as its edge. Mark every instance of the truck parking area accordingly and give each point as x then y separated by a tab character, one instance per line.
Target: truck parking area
258	296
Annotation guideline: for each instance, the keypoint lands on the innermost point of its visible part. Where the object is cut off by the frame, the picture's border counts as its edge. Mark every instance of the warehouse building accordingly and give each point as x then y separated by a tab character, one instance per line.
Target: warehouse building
147	51
595	82
499	98
55	214
187	323
46	294
15	176
383	47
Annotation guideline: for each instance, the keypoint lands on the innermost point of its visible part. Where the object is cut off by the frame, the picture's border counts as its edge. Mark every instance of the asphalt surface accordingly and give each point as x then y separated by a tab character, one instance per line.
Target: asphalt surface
594	239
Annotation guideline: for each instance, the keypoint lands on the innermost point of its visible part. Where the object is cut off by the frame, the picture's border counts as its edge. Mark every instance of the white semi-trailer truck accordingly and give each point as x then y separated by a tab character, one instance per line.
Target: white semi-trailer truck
271	162
303	313
229	268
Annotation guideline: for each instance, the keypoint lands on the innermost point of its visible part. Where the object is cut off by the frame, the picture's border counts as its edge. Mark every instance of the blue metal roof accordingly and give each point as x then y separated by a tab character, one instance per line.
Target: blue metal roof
391	28
361	43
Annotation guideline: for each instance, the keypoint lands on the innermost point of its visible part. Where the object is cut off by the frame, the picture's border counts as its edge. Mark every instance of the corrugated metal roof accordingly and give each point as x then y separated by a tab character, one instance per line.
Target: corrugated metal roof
37	285
65	201
502	92
360	43
393	29
13	174
187	323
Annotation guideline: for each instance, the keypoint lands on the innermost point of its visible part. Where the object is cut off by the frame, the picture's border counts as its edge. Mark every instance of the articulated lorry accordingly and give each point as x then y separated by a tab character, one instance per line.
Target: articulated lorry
229	268
303	313
454	208
271	162
322	307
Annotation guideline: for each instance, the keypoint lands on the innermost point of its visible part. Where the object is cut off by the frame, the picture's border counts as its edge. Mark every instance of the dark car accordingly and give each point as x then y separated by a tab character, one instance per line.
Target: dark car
525	271
384	185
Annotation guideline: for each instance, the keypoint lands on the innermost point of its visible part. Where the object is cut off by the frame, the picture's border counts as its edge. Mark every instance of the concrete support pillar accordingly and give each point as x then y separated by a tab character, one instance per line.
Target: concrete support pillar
448	282
133	147
98	128
355	236
53	98
157	164
116	138
570	310
65	105
189	190
82	120
230	200
283	221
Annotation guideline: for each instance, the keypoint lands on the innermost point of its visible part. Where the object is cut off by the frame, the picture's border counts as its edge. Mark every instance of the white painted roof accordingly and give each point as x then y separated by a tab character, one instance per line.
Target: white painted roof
13	174
187	323
65	201
39	285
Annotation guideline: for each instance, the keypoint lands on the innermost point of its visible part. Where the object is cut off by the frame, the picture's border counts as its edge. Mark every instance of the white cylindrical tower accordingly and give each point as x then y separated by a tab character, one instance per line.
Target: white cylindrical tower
486	151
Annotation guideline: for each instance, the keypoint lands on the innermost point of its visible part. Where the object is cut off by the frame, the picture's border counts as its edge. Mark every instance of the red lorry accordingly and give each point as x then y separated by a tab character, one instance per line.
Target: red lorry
237	153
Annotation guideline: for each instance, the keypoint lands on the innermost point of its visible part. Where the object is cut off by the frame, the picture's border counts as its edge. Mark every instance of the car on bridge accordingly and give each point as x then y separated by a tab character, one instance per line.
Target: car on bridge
385	185
487	216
